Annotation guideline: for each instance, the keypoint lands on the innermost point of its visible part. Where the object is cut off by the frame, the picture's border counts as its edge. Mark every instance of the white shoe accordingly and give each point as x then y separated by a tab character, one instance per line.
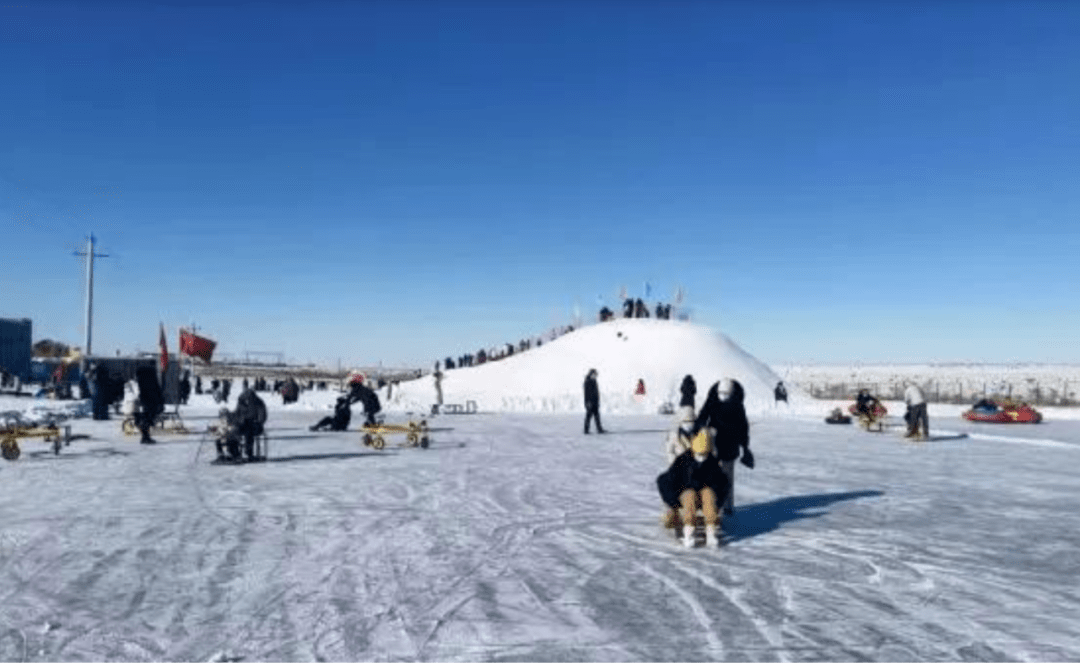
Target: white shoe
688	536
712	540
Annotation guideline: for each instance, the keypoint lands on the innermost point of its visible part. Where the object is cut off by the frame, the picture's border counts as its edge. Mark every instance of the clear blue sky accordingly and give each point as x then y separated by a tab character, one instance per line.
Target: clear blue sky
402	181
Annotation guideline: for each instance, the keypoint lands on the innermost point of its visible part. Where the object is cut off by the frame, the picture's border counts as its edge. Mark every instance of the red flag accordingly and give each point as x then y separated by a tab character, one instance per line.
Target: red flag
164	350
196	346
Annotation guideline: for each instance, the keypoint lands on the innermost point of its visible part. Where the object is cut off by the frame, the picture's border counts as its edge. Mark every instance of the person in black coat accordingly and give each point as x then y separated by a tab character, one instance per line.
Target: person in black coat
363	394
688	389
780	392
341	418
185	388
250	420
696	480
100	392
724	413
592	401
151	402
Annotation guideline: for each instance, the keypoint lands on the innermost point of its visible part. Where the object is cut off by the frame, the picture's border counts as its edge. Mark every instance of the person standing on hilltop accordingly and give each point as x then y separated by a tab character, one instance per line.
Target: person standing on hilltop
592	401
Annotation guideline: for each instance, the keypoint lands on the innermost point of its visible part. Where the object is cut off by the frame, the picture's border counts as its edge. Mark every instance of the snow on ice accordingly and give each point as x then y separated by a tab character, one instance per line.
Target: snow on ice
515	537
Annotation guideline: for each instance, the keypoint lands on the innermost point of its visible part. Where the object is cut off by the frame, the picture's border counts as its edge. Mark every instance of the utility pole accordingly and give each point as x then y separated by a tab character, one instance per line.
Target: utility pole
90	255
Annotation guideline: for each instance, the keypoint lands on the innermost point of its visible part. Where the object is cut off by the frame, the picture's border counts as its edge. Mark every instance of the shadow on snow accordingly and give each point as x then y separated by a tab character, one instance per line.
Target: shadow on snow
330	456
754	519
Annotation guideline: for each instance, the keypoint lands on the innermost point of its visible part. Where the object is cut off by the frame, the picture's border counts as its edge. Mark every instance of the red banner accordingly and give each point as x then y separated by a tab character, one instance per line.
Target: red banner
164	350
196	346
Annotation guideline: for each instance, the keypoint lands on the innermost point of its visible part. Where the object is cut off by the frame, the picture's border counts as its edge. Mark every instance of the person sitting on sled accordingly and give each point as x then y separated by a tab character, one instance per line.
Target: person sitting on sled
341	418
865	404
228	439
696	480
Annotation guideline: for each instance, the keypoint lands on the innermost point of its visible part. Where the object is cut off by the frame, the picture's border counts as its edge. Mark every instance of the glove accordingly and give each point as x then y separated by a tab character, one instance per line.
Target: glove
747	458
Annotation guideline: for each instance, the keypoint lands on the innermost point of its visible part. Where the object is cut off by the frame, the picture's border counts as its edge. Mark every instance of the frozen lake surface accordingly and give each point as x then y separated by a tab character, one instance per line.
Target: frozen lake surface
515	537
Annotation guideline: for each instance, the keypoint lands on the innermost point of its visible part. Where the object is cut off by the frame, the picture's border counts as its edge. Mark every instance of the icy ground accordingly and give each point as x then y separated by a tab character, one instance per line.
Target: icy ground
515	537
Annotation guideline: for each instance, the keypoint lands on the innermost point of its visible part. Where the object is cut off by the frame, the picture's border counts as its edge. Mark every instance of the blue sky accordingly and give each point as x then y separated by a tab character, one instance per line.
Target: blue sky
402	181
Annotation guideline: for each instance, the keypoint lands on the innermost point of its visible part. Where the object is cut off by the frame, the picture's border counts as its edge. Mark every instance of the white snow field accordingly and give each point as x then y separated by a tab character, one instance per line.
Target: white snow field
516	537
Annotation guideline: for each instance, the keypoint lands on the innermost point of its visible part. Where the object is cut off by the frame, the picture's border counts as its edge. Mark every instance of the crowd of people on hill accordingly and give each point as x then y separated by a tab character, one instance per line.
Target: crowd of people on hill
636	308
485	355
632	308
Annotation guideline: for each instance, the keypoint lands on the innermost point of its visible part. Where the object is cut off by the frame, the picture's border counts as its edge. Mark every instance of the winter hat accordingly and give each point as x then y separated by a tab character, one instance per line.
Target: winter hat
702	442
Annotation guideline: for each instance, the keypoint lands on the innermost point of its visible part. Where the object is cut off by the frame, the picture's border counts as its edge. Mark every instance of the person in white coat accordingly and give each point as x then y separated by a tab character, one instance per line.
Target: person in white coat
918	422
678	442
131	399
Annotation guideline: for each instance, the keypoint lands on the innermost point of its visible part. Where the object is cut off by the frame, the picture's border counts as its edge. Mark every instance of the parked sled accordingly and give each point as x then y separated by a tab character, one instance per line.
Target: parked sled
416	434
1009	413
837	416
166	422
15	428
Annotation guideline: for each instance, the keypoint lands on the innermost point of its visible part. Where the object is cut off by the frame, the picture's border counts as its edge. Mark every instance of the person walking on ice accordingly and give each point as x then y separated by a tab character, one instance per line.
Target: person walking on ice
592	401
917	418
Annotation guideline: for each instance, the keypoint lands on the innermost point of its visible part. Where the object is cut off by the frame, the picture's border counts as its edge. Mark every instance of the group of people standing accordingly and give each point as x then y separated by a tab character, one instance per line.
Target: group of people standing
636	308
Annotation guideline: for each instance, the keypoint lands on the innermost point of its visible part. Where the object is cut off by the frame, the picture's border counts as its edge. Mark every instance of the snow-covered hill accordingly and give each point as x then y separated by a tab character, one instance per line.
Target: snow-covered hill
658	352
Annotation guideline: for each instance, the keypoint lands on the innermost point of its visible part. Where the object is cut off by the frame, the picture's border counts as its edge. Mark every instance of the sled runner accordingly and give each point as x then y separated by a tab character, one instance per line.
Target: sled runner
673	522
166	422
416	434
50	433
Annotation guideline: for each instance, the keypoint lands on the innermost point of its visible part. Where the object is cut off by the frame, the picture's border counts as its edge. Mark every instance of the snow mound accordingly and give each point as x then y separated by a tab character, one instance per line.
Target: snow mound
623	351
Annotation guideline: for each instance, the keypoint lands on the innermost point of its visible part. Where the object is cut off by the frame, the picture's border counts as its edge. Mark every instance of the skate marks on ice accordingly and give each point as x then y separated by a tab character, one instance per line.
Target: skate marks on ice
527	544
